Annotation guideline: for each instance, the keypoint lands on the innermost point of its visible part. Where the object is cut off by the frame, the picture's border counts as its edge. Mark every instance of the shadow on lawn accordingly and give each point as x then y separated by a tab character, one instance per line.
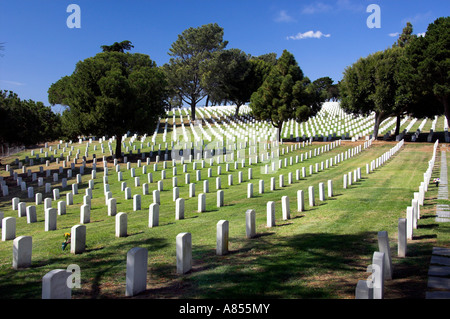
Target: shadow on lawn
268	267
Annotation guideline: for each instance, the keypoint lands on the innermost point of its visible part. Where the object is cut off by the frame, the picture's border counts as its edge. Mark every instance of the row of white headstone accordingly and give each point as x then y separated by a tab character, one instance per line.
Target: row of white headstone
229	131
381	267
55	282
330	121
79	231
8	229
50	213
407	225
137	257
245	127
262	156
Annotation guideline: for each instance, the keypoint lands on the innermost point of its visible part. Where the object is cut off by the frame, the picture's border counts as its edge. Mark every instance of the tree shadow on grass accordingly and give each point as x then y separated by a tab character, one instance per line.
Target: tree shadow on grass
275	268
98	265
99	268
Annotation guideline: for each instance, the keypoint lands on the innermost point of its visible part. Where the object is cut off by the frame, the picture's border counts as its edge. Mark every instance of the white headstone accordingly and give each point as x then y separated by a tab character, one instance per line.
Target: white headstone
121	225
179	208
270	214
286	212
50	219
153	215
22	249
136	202
383	246
61	208
311	196
300	201
31	214
21	209
222	237
250	223
378	274
8	228
184	252
85	214
54	285
78	239
402	239
136	275
220	199
201	202
156	198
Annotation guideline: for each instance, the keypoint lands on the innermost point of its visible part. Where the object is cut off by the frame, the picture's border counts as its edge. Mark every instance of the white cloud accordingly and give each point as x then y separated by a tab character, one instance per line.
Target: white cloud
308	35
421	34
316	8
420	17
283	16
12	82
339	5
395	34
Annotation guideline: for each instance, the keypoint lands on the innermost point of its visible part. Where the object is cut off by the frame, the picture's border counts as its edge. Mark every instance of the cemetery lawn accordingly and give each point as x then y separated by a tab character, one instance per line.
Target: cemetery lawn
320	253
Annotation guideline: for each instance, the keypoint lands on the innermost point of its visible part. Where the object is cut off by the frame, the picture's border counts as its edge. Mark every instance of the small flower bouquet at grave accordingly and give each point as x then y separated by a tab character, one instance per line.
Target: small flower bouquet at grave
66	241
436	180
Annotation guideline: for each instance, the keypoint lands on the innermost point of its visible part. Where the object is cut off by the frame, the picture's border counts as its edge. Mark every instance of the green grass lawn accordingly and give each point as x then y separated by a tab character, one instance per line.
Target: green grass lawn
319	253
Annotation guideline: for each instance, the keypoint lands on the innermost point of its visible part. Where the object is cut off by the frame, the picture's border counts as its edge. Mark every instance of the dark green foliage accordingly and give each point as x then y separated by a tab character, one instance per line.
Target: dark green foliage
428	65
368	86
110	94
233	76
406	37
326	88
118	47
26	122
191	54
410	78
285	94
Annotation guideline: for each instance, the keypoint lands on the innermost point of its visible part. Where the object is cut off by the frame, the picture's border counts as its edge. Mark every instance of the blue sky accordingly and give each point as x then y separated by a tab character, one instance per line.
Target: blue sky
324	36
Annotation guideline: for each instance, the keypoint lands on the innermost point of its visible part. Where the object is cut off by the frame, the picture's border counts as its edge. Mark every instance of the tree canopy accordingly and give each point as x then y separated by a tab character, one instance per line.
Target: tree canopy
285	94
118	47
326	88
112	93
26	122
190	55
428	63
367	87
408	78
233	76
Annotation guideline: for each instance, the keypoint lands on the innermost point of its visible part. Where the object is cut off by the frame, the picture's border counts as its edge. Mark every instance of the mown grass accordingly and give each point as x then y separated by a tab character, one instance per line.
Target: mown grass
319	253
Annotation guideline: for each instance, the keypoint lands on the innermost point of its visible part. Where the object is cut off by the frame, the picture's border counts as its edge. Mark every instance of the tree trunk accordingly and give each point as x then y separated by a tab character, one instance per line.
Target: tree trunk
192	111
397	127
118	146
237	110
376	125
280	126
446	110
207	101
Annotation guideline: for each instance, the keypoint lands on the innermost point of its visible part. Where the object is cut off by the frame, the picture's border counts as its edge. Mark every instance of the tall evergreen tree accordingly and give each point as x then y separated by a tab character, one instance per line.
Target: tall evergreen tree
285	94
118	47
112	93
428	65
234	76
26	122
190	55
